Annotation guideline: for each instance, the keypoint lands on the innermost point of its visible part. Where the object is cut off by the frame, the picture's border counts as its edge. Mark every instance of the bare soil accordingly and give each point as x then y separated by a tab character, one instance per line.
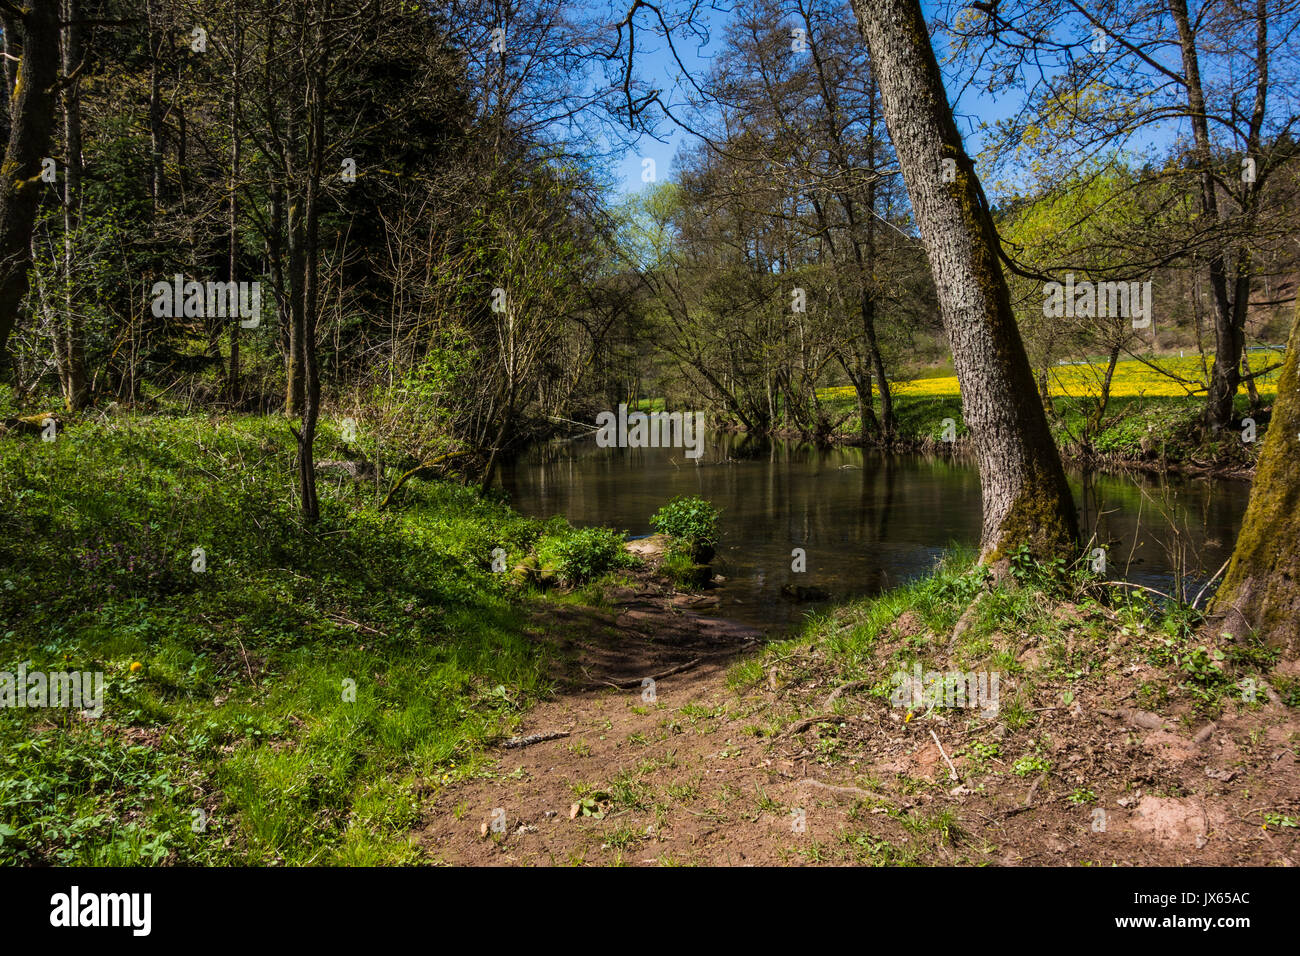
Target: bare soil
693	771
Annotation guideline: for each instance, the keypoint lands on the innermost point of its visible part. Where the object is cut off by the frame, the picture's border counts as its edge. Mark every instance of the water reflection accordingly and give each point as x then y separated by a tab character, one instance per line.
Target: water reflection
867	521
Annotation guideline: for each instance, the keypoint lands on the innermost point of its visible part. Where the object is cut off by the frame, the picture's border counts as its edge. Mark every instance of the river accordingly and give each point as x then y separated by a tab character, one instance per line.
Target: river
866	520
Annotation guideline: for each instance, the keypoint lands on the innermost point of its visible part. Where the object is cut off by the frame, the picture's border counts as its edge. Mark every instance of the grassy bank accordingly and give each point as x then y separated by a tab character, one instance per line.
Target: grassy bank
1121	732
1082	634
293	700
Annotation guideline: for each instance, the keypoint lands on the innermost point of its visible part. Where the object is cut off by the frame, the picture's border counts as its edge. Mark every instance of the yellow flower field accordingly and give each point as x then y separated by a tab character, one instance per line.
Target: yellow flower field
1132	379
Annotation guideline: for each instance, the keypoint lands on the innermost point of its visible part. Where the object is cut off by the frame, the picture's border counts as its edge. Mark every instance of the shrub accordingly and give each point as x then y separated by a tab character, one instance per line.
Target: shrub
690	519
582	554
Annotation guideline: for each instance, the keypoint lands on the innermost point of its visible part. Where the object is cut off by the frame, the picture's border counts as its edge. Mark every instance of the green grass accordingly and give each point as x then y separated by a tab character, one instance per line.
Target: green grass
294	701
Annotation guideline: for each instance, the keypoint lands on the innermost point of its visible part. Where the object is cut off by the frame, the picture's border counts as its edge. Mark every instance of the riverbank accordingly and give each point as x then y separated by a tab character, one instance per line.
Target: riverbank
373	690
1112	736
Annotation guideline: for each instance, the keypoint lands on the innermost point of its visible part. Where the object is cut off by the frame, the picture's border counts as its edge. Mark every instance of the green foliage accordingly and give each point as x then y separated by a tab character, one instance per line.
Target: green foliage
579	555
1046	573
690	519
679	566
238	708
1288	689
1031	764
1202	666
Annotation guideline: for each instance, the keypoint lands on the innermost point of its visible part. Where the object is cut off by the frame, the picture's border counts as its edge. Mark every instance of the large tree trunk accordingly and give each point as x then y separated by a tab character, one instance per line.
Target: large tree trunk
1025	494
1261	593
31	120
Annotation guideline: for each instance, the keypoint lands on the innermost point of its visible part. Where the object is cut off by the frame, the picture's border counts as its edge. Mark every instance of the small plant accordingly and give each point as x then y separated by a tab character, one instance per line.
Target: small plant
588	807
680	567
980	755
1028	568
1202	666
1082	795
689	519
1031	764
1288	689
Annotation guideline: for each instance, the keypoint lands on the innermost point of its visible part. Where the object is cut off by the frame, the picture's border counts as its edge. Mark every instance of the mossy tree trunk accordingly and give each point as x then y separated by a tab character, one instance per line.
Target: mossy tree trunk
1025	494
31	117
1261	593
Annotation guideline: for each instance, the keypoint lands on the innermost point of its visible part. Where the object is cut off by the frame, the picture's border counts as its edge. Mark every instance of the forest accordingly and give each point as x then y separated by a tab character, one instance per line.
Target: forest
606	432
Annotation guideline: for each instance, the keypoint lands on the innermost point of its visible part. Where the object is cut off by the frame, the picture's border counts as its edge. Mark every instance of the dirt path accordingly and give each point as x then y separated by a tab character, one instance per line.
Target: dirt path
692	771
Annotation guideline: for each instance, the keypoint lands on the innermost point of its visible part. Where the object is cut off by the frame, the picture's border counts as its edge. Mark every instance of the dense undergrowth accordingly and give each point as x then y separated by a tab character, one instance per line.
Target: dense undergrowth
284	695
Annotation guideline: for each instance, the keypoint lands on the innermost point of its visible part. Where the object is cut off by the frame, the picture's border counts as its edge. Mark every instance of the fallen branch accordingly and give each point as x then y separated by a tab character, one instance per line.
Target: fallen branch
1196	600
1029	798
800	726
1138	719
516	742
839	791
843	689
636	681
951	769
340	619
1140	587
423	466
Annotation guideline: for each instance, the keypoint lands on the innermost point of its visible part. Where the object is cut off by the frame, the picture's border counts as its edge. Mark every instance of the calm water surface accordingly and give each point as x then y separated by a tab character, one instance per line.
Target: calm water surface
868	521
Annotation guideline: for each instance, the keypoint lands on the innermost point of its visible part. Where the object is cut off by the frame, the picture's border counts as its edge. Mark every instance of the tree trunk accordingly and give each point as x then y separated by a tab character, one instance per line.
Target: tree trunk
1251	388
157	183
1025	494
1260	594
877	364
1103	400
860	376
1045	392
233	378
310	257
1225	375
31	121
70	349
12	54
294	378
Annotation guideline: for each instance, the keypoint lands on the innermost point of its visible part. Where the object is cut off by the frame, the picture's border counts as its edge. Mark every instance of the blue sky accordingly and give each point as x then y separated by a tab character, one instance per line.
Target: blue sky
656	66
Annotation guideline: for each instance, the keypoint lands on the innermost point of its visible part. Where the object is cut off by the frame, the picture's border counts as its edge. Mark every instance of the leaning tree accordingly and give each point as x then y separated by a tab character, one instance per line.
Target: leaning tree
1026	497
1261	592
